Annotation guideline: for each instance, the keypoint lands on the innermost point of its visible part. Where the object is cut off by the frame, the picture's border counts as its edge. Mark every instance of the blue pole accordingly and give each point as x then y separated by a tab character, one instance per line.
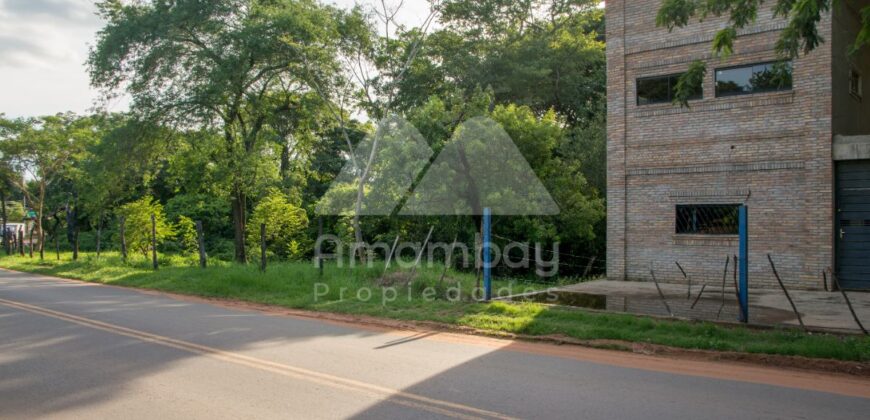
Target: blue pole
487	255
744	263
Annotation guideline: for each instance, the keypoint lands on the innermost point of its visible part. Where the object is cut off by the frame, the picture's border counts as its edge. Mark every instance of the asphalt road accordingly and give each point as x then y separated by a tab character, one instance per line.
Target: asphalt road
70	350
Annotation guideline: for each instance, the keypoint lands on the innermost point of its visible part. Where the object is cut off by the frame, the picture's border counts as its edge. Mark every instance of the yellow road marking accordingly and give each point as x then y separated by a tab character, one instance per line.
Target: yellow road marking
441	407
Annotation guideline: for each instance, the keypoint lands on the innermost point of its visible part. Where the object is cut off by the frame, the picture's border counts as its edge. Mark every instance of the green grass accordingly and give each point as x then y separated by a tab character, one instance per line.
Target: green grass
292	285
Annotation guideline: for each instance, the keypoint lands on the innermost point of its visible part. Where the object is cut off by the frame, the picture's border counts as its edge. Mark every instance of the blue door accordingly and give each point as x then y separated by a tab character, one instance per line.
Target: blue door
853	224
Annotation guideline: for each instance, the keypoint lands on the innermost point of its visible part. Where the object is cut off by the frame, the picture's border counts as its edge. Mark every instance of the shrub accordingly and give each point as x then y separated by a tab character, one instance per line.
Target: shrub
212	211
285	226
137	224
185	235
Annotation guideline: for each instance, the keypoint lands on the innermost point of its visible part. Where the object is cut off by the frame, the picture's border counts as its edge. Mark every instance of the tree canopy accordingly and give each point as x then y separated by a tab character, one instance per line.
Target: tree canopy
249	112
800	36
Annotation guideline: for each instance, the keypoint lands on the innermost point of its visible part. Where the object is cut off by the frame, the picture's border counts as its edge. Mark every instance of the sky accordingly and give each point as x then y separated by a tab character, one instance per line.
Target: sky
44	45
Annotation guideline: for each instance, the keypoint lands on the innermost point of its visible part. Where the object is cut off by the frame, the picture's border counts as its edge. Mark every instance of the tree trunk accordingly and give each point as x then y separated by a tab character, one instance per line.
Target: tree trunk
238	204
200	242
284	169
360	195
72	219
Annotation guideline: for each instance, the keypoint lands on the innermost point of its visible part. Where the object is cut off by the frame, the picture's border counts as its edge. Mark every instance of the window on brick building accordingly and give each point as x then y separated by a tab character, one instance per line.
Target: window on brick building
707	219
855	84
659	89
754	78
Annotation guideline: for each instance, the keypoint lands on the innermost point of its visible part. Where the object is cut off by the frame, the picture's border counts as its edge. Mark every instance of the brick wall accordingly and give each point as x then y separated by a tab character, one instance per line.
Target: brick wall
771	151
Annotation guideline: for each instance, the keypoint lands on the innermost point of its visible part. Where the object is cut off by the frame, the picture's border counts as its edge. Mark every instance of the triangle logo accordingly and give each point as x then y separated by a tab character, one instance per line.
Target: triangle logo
480	167
380	173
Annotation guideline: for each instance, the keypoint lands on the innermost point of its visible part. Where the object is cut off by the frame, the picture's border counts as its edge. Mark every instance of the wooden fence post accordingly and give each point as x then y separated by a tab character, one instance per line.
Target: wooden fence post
76	244
390	256
121	225
99	232
21	242
200	240
318	256
263	247
154	241
448	259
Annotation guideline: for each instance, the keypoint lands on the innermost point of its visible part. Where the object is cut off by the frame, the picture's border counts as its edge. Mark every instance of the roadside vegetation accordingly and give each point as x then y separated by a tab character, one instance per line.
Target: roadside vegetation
295	284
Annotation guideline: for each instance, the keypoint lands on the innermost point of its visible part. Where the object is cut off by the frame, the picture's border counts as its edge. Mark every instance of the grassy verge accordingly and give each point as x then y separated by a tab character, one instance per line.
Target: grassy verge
346	290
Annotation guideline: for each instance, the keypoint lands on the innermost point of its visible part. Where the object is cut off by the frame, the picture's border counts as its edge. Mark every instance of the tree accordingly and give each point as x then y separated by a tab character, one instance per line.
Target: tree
137	224
800	36
215	63
285	224
7	174
185	234
542	141
211	210
538	53
120	163
43	149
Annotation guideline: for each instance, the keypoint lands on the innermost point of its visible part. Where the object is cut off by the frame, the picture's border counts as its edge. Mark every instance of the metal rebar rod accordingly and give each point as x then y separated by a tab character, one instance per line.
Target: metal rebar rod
688	280
793	307
661	295
703	287
848	303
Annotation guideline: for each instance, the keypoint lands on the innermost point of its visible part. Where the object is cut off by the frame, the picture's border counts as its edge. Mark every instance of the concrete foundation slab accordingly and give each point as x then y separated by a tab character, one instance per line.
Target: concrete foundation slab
819	309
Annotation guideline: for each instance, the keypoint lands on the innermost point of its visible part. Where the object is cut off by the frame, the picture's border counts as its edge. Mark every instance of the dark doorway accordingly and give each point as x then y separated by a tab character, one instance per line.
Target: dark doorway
853	224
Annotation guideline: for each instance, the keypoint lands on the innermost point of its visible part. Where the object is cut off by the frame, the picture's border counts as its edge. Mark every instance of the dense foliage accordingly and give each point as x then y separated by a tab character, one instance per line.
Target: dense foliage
138	224
245	112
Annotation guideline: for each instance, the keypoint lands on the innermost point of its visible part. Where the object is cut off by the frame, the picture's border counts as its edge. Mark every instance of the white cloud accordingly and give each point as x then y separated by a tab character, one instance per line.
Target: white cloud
44	45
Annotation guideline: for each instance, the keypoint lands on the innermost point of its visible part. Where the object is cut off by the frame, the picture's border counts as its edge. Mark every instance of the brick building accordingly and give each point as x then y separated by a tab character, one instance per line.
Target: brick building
789	140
